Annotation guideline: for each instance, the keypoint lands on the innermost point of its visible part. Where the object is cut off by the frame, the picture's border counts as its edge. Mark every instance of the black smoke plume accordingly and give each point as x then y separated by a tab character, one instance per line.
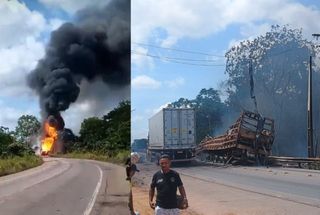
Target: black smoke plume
95	46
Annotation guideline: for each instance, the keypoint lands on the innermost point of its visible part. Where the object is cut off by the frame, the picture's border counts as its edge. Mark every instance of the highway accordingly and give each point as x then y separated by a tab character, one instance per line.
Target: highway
214	189
62	187
296	185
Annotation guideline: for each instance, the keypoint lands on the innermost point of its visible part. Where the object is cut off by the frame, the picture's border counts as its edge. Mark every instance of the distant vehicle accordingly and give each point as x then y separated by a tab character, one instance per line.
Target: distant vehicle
44	153
172	132
139	145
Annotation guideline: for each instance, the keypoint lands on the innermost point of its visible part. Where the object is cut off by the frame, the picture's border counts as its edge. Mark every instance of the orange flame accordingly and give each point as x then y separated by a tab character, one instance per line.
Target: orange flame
49	139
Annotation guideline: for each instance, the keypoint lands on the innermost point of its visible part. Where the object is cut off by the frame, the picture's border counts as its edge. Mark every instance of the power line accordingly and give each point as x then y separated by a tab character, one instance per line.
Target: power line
203	53
178	50
177	58
182	60
176	61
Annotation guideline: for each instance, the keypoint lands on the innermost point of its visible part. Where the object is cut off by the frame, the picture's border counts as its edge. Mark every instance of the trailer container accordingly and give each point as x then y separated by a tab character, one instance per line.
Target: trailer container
172	132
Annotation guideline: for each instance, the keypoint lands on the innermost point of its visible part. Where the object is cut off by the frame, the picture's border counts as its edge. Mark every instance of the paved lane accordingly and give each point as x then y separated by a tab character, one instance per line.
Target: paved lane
58	187
300	186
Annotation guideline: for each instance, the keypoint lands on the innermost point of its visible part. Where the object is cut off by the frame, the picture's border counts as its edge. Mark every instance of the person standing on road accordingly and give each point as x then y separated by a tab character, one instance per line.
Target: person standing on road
166	181
131	169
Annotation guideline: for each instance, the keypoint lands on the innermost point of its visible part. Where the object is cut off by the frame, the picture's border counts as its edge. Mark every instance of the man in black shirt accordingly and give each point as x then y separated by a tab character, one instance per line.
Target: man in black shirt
166	181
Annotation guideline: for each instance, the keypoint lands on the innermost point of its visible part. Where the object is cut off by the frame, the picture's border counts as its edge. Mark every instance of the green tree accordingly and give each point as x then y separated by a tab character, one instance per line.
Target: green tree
108	134
6	138
27	127
209	110
183	103
118	125
92	131
280	65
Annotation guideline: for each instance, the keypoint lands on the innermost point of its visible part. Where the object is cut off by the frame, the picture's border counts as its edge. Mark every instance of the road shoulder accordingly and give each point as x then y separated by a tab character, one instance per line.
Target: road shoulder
113	197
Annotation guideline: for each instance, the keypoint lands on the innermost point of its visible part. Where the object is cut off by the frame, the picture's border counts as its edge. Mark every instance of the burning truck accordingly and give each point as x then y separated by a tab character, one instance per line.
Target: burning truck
51	140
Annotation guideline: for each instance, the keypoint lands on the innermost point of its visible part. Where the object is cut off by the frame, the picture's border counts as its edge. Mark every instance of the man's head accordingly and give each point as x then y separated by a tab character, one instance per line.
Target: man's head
165	163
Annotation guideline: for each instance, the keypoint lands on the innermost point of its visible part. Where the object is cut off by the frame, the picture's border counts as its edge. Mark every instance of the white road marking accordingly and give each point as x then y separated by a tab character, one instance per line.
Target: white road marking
95	194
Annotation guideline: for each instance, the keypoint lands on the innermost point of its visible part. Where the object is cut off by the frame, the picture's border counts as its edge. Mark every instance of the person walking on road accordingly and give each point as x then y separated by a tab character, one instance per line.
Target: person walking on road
166	181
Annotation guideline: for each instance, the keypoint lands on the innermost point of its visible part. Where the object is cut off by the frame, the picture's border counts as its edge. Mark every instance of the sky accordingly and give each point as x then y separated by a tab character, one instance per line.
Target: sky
25	28
178	46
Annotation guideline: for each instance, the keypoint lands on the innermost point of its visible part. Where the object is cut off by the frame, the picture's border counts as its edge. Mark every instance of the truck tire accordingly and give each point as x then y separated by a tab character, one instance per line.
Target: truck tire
149	156
157	160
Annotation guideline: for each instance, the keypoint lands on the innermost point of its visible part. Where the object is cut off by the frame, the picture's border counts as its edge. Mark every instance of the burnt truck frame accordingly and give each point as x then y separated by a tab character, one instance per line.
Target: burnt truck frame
172	132
249	140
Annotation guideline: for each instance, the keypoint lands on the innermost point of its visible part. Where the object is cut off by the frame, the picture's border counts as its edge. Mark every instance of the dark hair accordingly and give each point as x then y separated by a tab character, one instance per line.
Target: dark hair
165	156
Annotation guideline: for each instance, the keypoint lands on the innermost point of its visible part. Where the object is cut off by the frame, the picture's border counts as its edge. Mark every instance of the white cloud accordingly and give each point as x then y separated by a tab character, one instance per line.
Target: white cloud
20	49
54	24
189	18
17	23
95	99
145	82
139	59
15	63
11	116
178	19
156	110
72	6
175	83
300	16
79	111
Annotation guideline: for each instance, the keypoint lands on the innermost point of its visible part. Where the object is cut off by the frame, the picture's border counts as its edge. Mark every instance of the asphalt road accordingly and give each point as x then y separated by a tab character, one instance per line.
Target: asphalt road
296	185
58	187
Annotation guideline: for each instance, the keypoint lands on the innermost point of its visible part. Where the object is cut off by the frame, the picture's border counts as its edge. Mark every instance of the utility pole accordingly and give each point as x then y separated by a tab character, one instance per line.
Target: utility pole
310	123
209	124
252	87
310	119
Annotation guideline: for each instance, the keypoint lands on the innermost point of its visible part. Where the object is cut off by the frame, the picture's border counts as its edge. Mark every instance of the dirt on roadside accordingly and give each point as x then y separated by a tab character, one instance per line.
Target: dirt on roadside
211	198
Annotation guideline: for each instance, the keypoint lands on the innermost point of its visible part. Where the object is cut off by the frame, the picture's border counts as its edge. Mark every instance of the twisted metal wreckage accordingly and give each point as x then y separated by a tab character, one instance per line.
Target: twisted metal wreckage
249	140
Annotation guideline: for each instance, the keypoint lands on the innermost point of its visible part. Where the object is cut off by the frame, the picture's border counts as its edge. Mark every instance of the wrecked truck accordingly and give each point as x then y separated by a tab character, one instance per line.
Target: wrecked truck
248	140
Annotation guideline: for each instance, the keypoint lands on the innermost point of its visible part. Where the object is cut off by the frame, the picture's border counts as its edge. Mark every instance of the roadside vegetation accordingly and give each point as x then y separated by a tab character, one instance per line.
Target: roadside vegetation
15	154
119	158
18	163
105	139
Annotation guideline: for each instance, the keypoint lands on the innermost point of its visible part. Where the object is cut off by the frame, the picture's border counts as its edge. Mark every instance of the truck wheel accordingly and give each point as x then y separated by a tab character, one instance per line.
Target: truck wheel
149	156
157	159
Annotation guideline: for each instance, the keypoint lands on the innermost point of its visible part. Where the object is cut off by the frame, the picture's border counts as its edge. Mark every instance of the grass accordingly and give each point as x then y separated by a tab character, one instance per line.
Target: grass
119	157
16	164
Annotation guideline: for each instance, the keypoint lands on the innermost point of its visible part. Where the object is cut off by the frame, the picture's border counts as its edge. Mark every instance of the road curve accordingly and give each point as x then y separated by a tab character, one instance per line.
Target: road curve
58	187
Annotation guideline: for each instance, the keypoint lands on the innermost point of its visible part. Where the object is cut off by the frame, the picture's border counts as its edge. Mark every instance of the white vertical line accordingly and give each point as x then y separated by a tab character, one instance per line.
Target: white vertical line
95	194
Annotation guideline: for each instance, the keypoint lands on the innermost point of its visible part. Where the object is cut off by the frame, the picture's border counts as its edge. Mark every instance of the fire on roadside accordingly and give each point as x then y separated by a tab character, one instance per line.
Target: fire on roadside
50	137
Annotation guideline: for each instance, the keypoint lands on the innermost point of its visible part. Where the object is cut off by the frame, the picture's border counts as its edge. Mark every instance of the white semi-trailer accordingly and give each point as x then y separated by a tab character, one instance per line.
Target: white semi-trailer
172	132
